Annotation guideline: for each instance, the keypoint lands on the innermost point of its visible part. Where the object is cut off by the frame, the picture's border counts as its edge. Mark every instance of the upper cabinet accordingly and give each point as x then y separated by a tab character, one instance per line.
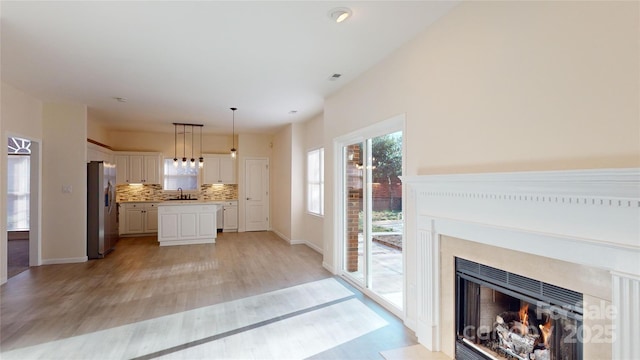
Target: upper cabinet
122	169
219	169
138	168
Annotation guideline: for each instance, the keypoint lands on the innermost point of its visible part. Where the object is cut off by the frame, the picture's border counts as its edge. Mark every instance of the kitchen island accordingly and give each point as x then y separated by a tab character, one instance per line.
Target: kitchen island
184	222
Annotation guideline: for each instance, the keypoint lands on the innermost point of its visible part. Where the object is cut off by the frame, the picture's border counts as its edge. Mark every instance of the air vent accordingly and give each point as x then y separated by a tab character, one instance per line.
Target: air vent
568	297
524	283
532	288
467	266
334	77
493	273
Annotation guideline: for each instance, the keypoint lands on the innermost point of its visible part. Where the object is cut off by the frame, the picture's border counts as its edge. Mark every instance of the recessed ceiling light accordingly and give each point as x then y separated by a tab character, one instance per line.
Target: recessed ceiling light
120	99
340	14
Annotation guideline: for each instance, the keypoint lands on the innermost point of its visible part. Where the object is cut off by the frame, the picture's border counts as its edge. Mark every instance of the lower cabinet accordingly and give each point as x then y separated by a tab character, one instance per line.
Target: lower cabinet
138	218
182	224
230	216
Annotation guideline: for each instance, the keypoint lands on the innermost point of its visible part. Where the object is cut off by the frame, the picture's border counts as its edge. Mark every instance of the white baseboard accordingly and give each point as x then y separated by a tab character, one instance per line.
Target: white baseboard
329	268
314	247
65	260
298	242
280	235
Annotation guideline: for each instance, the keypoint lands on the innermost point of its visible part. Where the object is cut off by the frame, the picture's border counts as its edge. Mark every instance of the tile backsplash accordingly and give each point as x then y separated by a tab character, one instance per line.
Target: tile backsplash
154	192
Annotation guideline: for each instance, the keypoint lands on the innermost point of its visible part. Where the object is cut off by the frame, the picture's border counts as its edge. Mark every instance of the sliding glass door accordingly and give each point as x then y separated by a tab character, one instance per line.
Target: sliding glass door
355	198
372	204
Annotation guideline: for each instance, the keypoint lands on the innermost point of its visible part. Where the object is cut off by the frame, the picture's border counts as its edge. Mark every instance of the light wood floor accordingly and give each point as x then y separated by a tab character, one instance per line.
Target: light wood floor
17	252
141	281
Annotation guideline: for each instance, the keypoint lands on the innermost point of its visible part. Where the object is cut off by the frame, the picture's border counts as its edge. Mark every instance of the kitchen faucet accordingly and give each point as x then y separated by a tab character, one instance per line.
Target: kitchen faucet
181	196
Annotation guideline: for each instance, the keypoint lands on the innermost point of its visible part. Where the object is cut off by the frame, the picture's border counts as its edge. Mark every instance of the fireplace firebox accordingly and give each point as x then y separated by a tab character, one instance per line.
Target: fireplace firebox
502	315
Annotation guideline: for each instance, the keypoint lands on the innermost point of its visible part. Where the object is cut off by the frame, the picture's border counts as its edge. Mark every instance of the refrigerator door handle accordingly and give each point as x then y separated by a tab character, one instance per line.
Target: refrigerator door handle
109	200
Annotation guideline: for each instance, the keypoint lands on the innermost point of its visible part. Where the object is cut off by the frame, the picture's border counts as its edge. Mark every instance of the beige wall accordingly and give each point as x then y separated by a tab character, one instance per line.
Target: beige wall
3	200
254	145
96	130
313	225
64	222
20	115
299	233
280	183
287	184
504	86
166	143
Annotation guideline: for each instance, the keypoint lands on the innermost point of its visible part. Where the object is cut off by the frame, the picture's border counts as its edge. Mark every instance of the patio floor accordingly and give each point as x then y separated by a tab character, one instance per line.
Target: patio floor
387	269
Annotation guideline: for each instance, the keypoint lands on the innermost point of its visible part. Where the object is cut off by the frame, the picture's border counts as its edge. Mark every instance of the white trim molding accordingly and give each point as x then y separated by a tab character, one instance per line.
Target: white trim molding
587	217
65	260
298	242
313	246
626	298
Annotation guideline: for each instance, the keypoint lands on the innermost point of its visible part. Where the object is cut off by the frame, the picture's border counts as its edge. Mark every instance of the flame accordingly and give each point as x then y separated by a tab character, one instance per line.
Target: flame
524	318
546	330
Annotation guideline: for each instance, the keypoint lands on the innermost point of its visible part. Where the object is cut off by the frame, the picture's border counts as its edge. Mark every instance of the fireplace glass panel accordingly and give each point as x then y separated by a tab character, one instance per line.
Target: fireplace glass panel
496	321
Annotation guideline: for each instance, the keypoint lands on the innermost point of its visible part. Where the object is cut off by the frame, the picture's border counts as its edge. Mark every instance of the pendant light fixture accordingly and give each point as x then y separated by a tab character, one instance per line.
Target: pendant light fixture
184	145
186	162
193	160
201	159
233	134
175	144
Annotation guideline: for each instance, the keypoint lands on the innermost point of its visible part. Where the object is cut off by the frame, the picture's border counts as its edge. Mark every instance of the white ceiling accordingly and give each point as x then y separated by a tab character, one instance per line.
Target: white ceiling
191	61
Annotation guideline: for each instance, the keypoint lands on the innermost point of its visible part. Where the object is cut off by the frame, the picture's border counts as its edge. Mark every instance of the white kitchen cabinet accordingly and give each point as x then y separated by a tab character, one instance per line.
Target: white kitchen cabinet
230	216
122	169
219	169
183	223
138	218
138	168
151	218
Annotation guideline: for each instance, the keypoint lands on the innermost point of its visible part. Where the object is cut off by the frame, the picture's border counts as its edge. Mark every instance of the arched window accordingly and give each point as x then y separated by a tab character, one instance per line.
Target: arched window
18	176
19	146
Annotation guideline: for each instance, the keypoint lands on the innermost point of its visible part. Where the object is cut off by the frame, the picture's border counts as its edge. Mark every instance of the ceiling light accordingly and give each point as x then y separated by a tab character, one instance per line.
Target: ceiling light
233	134
340	14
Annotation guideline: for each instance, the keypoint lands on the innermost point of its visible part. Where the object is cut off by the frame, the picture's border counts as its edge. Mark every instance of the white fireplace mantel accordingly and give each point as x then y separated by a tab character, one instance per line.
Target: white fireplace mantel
587	217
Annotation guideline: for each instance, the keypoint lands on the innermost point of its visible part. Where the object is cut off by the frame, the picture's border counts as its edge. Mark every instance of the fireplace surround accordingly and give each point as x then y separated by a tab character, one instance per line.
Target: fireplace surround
576	229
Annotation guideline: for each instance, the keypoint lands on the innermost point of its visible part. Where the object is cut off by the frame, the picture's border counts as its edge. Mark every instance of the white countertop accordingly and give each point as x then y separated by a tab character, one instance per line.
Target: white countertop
189	202
177	201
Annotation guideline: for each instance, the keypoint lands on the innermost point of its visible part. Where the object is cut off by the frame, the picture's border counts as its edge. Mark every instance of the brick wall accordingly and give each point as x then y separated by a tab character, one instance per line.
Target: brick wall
354	205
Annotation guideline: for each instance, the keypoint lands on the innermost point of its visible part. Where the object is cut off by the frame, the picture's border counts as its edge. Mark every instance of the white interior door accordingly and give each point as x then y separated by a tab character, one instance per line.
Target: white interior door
256	194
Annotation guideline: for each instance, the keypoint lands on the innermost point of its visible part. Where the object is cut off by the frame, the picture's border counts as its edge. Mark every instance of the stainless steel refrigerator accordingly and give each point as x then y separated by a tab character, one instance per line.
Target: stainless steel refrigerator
102	221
